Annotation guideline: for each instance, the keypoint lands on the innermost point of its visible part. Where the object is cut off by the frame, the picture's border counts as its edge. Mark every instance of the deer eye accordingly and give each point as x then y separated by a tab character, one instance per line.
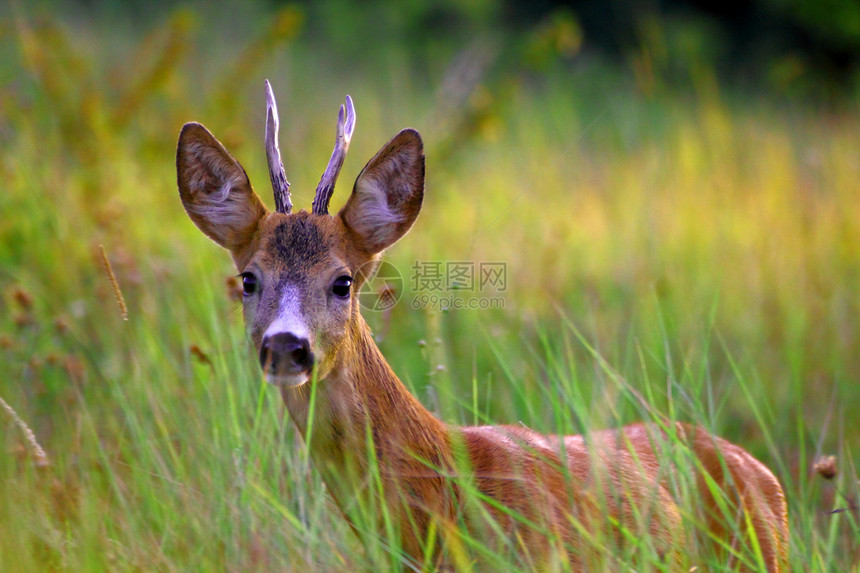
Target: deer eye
340	287
249	284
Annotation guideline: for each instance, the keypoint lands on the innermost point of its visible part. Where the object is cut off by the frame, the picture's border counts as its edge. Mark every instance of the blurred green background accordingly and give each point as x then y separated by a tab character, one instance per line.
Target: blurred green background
673	187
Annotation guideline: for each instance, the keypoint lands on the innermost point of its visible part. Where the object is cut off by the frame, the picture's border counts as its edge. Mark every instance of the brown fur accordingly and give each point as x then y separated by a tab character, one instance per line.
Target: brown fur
571	494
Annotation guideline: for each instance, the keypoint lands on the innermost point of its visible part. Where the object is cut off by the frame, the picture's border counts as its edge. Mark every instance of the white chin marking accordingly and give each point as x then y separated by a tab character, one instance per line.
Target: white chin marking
287	380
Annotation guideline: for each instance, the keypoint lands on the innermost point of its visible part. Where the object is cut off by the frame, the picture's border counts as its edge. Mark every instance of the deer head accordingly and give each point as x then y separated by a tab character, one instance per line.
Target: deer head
301	272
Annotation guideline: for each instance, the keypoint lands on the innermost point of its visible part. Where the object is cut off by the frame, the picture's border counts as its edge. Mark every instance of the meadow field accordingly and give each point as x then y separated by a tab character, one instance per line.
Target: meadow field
667	253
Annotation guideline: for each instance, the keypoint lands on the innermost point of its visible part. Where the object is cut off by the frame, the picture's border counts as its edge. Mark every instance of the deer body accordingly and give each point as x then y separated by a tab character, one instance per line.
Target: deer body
554	495
520	468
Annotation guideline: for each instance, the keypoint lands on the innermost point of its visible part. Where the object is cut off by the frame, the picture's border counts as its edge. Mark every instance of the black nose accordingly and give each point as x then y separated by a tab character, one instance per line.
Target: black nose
285	353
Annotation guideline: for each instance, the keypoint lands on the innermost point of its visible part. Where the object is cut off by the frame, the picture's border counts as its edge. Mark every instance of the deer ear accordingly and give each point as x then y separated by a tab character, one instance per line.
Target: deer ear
215	190
387	195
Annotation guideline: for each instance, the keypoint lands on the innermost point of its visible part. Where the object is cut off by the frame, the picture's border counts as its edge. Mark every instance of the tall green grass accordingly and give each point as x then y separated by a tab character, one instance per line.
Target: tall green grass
688	255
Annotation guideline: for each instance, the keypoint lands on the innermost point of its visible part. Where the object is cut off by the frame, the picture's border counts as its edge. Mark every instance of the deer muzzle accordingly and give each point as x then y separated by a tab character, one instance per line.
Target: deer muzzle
286	359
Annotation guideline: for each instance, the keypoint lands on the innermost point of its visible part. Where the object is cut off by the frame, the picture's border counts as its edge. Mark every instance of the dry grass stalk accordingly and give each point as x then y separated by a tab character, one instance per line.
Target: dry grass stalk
112	277
41	457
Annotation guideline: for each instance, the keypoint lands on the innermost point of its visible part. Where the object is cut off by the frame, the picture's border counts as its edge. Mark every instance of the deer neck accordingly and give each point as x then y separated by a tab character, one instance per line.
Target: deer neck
359	405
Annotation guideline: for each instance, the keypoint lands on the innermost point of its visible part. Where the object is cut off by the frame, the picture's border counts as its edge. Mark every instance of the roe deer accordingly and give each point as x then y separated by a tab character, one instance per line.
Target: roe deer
563	500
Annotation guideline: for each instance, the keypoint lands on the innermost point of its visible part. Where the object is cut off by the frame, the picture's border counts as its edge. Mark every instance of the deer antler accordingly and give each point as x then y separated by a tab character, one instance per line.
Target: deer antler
345	127
280	185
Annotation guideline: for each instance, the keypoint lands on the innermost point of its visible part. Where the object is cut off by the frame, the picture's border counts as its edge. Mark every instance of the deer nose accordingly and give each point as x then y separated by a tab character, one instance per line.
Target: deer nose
285	353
